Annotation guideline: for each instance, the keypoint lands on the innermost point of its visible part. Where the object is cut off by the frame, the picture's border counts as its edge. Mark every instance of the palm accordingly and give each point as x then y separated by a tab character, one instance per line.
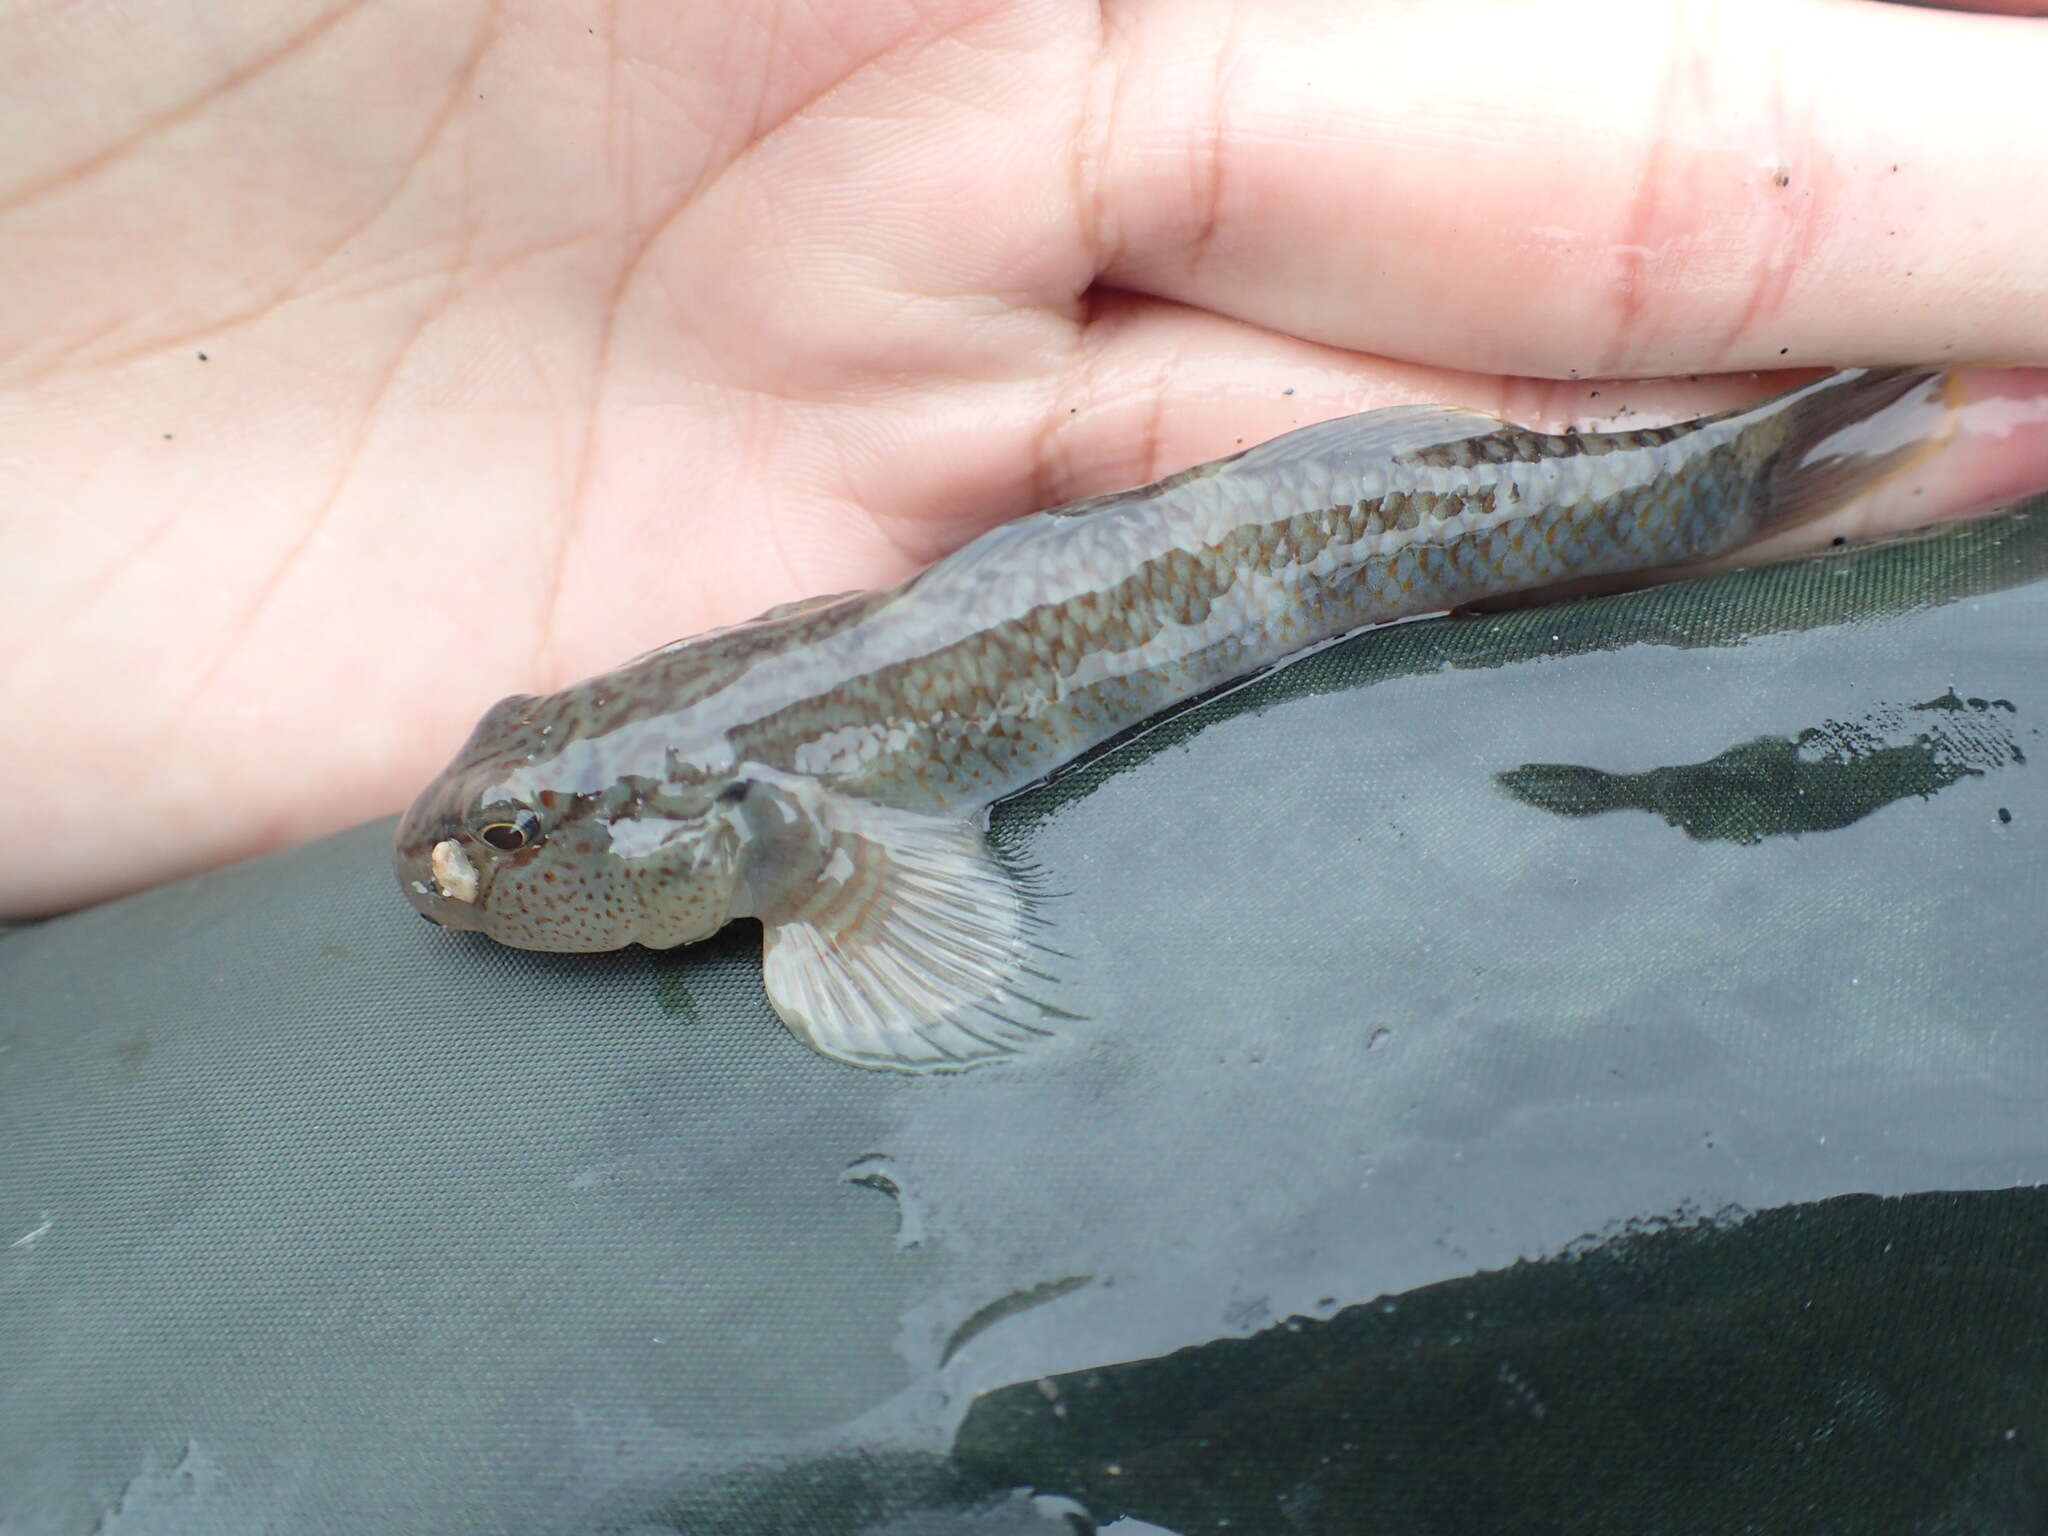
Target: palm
361	369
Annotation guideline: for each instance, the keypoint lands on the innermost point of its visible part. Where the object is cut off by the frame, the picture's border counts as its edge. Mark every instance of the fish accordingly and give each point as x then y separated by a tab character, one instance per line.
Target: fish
827	767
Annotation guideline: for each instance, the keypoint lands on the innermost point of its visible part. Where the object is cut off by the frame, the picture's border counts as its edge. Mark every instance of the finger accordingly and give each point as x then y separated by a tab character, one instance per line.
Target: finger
1623	189
1159	387
1989	7
1167	387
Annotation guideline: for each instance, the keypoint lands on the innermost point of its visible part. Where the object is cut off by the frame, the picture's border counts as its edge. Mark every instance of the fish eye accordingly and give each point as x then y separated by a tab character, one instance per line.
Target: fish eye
511	835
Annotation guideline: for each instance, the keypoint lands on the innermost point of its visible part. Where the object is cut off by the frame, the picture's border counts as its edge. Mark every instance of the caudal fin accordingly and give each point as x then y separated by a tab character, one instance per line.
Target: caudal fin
1850	432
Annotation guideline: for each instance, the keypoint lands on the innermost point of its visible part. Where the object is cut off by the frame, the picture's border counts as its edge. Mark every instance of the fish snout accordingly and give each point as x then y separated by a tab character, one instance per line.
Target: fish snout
438	877
454	875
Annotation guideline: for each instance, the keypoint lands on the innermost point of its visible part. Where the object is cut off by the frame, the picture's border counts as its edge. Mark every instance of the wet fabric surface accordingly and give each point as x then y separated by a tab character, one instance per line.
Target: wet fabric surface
1860	1364
1625	936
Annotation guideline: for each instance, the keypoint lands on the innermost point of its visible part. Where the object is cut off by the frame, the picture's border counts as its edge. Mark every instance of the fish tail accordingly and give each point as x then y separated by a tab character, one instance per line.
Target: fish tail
1848	433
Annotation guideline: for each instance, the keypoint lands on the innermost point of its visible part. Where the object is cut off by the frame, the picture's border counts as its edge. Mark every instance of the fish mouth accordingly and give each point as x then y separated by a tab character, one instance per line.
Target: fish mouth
441	910
455	877
439	879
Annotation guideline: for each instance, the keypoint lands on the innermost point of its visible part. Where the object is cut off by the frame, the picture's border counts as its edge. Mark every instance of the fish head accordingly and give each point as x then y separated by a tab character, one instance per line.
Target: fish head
536	837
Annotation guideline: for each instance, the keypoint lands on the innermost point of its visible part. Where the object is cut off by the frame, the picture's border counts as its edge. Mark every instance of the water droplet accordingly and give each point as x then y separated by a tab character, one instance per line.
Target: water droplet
1378	1038
879	1172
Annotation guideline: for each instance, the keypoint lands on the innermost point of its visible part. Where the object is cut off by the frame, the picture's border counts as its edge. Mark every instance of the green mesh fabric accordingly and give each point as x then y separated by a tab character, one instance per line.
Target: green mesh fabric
1858	1364
1490	1028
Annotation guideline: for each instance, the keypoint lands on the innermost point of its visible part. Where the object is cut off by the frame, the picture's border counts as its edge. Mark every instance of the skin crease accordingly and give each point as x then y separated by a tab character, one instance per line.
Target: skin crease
362	364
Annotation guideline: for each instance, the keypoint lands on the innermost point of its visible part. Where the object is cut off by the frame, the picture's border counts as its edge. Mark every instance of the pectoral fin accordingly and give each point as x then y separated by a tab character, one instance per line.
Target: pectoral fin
909	950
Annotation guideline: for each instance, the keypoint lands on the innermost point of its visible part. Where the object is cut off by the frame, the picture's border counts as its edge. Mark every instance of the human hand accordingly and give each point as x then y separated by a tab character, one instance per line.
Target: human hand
362	365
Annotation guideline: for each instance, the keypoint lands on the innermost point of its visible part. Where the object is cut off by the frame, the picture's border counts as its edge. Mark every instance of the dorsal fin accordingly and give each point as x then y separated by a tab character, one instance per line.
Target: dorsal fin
799	605
1343	442
1385	433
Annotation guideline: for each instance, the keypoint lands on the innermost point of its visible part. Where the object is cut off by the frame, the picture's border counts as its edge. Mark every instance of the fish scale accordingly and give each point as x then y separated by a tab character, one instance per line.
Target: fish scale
826	767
